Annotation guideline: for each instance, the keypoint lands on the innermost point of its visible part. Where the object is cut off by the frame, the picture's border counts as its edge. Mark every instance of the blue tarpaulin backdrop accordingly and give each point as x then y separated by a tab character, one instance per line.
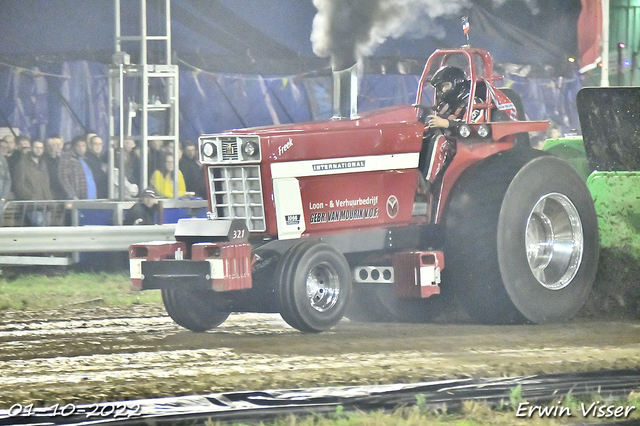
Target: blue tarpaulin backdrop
243	64
75	101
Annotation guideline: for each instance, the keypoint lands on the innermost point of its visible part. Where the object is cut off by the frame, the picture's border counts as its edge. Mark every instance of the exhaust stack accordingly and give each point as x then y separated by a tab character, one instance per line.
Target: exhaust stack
345	93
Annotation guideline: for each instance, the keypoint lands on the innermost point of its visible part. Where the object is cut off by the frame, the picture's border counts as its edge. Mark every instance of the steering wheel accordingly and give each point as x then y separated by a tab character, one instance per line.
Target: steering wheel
425	110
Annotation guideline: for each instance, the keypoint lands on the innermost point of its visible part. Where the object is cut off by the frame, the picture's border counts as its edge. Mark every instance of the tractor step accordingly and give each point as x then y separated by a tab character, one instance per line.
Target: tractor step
417	273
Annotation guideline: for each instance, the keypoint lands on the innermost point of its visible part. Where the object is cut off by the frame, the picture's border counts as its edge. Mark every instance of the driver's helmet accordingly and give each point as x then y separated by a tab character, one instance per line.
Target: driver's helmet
449	82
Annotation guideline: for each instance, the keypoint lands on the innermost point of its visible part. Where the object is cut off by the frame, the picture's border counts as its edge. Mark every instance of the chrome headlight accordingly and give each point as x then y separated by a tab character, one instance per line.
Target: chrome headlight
229	149
484	131
209	149
464	130
250	148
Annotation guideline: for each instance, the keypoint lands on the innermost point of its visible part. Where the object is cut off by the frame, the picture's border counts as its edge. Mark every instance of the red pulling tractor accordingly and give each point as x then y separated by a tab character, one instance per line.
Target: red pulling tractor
355	216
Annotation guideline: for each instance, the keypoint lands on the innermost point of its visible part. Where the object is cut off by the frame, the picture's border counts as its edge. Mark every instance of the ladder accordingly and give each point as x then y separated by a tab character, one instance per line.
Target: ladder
143	88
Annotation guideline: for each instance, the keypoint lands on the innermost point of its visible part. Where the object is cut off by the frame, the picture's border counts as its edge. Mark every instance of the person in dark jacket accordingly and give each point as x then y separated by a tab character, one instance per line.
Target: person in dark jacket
98	167
32	183
32	176
155	157
192	170
22	145
5	178
144	211
53	150
132	163
74	173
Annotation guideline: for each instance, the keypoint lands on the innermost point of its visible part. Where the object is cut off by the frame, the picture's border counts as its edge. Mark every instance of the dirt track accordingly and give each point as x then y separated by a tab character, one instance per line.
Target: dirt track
96	354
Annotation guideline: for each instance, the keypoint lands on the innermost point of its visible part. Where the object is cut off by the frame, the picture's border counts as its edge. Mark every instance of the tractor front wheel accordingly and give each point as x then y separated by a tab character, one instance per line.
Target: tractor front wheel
193	309
315	286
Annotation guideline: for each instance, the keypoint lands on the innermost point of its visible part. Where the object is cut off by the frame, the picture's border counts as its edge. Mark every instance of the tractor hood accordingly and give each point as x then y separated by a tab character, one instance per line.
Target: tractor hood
385	131
610	121
376	118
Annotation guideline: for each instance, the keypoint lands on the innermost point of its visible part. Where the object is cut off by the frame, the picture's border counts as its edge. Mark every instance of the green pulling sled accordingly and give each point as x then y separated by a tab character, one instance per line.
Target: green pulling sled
608	157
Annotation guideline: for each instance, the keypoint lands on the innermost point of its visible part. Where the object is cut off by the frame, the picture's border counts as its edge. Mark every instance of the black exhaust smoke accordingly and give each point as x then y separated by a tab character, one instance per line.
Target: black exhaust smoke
347	30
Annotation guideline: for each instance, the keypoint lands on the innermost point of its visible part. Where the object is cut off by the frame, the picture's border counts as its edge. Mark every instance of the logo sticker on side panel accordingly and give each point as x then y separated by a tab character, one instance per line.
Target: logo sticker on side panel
179	254
338	166
392	206
292	219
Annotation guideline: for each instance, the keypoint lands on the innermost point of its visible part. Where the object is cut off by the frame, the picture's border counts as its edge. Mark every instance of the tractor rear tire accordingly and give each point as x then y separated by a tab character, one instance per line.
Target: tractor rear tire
521	239
315	286
193	309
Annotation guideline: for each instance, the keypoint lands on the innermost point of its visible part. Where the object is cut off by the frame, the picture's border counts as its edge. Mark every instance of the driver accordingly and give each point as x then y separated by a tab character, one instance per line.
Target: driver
452	95
453	88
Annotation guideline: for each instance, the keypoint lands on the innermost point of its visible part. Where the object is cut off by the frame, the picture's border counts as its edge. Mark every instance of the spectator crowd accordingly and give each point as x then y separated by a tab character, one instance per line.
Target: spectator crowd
33	169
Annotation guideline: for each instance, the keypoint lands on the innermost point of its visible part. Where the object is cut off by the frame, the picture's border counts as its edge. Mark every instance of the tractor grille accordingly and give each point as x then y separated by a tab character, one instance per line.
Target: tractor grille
229	148
236	192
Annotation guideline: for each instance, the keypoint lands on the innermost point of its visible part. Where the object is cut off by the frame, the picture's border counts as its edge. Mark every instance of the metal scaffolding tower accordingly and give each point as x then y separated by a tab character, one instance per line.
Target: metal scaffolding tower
143	87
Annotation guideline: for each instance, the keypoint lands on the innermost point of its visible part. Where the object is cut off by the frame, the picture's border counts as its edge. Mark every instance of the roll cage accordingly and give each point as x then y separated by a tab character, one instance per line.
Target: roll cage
478	66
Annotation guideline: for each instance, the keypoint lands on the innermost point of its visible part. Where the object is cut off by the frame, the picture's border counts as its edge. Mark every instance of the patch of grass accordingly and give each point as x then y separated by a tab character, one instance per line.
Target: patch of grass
572	402
481	416
472	413
32	292
515	397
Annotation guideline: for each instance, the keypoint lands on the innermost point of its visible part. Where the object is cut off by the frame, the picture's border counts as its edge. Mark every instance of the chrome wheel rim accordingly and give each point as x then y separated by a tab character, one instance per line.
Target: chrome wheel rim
323	287
554	241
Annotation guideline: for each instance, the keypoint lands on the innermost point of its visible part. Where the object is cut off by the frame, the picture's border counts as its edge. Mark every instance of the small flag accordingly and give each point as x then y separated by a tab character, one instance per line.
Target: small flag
465	25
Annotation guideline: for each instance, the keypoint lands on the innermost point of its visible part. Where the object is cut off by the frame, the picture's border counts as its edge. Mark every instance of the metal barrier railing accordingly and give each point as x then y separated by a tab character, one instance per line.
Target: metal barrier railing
66	213
90	238
55	232
33	213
